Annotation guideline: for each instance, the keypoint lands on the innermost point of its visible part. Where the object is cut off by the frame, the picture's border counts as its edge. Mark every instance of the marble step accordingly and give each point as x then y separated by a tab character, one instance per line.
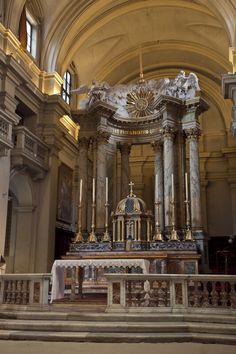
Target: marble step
116	327
118	317
108	337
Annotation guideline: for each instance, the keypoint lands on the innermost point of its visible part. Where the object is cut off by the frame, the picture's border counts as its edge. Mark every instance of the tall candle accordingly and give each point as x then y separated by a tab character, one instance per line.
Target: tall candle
93	190
156	185
186	185
80	191
172	187
106	190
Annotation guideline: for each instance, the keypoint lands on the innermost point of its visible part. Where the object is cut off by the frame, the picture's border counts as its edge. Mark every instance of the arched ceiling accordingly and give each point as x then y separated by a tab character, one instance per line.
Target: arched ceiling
103	36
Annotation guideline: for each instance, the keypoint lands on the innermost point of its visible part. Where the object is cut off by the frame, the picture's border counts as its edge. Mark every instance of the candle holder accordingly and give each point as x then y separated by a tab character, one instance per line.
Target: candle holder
92	237
106	236
158	235
79	236
188	231
173	234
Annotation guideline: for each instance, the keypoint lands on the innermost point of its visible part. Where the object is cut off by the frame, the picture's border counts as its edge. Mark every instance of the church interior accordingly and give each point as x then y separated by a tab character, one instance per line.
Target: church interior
118	143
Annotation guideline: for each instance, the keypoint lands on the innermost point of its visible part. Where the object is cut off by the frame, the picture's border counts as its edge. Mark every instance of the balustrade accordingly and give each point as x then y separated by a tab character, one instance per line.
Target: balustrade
31	146
24	289
135	292
5	134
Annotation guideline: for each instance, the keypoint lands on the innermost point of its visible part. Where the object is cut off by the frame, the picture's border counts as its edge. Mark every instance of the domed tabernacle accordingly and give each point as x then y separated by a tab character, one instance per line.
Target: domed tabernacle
130	205
132	223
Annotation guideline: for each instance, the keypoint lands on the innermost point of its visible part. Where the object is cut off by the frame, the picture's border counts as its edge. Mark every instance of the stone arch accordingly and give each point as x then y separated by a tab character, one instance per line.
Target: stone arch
21	243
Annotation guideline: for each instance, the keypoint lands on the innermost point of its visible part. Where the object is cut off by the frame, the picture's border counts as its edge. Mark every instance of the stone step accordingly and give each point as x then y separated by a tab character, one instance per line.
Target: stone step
118	317
108	337
116	327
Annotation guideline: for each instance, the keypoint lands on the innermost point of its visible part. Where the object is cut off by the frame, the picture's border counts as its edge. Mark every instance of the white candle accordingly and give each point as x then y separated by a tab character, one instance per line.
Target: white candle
172	187
80	191
186	185
106	190
156	183
93	190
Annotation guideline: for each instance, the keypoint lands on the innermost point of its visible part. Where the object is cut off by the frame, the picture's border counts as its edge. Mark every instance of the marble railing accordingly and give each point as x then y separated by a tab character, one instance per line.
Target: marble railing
30	146
5	133
24	289
171	292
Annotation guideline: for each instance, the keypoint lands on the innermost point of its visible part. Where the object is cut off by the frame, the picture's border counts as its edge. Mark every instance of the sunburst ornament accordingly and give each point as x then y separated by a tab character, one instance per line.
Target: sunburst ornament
140	103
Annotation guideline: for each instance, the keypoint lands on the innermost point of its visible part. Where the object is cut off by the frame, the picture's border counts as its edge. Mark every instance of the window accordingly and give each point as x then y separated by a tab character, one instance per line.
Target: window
66	87
31	31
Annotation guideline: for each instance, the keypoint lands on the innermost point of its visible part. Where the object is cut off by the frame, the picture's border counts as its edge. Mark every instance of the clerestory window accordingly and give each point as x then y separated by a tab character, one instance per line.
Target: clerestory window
66	87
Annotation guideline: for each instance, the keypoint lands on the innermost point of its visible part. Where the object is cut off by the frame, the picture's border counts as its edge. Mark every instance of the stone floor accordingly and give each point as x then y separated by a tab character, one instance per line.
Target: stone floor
31	347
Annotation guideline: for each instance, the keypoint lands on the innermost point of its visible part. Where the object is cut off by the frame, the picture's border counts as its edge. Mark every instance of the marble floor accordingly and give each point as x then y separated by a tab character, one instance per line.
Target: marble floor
31	347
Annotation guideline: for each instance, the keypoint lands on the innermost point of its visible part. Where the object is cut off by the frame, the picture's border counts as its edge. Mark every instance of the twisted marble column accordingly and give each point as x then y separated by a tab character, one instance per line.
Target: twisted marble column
194	172
83	174
102	140
168	154
158	170
125	171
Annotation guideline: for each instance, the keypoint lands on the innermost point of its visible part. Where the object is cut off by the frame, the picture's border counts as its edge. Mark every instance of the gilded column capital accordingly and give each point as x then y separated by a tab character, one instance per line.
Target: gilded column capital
102	137
83	142
157	145
193	133
124	148
168	132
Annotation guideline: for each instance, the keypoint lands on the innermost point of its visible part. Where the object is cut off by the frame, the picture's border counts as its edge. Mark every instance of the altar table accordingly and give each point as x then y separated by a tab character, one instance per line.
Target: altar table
59	266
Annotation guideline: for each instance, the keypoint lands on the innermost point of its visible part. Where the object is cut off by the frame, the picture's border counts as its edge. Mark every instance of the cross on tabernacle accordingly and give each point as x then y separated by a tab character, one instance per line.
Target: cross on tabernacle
131	184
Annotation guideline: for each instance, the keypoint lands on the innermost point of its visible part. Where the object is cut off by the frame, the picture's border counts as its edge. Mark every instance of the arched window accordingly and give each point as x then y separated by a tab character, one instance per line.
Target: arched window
66	87
29	28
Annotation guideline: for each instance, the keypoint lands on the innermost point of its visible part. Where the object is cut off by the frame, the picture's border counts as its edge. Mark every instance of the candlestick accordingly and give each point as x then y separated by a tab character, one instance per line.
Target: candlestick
106	190
92	237
173	234
186	185
172	187
80	191
156	185
93	190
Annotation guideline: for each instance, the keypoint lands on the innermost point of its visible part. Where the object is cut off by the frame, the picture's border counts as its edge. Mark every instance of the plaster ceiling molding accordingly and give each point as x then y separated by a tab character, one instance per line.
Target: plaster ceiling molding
210	32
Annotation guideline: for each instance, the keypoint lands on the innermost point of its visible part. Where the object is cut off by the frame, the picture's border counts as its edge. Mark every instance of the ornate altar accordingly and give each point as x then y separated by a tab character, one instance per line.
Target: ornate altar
164	114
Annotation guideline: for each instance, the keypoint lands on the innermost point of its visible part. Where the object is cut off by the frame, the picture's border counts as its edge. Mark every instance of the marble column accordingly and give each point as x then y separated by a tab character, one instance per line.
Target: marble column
102	140
158	170
125	149
83	174
168	157
194	173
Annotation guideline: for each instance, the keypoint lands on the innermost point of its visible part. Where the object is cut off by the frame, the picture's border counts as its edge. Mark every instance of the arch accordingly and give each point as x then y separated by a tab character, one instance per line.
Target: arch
21	187
14	9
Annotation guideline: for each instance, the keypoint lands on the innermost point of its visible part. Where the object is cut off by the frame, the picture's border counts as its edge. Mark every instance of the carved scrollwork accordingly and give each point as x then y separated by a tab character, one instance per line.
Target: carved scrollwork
193	133
168	132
